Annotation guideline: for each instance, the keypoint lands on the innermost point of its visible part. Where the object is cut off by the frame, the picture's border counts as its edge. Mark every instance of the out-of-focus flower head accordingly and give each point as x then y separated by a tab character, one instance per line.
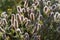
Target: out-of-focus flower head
19	9
57	17
46	10
44	2
32	17
35	36
4	14
18	18
34	6
4	22
22	18
37	14
28	23
19	30
36	2
4	36
58	29
25	20
35	28
54	7
39	37
13	20
49	3
2	30
51	13
24	10
26	3
32	9
40	17
58	1
28	9
26	36
38	26
16	23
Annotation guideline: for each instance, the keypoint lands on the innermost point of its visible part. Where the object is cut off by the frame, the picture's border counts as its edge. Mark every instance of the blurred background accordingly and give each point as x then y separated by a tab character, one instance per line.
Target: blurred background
29	19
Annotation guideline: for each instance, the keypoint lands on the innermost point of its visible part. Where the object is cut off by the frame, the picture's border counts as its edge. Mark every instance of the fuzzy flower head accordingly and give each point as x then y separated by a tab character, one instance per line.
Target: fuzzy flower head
28	9
18	18
32	17
57	17
26	3
28	24
19	10
4	22
37	27
35	36
13	19
58	29
26	36
18	30
2	30
54	7
25	20
46	9
51	13
16	23
22	18
4	14
49	3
